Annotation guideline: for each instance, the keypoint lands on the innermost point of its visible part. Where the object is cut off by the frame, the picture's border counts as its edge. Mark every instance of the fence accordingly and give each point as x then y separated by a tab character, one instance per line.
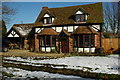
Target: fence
111	45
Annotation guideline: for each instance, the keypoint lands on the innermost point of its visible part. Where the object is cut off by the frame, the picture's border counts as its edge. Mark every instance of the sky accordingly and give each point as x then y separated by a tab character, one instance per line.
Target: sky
27	12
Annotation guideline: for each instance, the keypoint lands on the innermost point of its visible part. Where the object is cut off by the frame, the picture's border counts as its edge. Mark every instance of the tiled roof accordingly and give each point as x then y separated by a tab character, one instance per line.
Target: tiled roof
65	31
84	30
63	14
48	31
23	29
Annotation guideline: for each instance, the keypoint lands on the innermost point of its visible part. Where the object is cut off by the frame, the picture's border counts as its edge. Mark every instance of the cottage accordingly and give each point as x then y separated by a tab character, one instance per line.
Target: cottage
18	35
67	29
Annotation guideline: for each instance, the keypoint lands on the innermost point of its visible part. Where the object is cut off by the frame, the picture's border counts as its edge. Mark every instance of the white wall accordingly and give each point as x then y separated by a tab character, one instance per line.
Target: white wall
37	30
86	50
79	12
70	28
46	15
75	27
58	29
53	28
96	26
48	49
10	35
15	34
43	49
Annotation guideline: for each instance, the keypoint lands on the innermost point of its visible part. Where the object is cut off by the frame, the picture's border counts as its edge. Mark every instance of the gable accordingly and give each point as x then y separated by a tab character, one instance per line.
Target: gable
13	33
79	12
46	15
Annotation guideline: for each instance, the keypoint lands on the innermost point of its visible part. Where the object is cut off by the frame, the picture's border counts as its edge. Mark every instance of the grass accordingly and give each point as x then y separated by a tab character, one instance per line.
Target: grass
26	53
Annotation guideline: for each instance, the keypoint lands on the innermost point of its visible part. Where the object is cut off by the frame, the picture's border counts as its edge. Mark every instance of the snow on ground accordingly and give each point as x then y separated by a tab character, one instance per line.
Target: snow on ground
39	74
108	64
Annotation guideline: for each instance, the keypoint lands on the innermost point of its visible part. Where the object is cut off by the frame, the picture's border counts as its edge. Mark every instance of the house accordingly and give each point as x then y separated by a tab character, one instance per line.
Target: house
18	36
68	29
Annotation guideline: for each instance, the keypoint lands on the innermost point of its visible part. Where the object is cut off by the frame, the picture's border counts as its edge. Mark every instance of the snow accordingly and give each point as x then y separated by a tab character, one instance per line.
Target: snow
23	31
98	64
39	74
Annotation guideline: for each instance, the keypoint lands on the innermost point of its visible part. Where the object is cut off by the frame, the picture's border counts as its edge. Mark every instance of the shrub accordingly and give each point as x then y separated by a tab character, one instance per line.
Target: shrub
54	51
31	50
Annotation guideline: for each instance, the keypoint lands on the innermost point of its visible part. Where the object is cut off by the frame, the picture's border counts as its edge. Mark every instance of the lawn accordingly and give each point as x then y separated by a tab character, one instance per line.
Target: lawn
26	53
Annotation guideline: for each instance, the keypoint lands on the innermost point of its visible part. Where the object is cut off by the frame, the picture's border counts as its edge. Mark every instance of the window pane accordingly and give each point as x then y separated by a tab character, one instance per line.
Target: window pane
47	40
77	18
42	40
81	40
86	43
48	20
80	18
53	40
75	40
92	40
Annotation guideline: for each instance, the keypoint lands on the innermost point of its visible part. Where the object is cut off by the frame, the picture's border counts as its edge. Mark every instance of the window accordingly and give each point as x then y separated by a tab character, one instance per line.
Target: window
92	40
84	40
48	40
81	40
42	40
75	40
53	40
80	18
87	40
48	20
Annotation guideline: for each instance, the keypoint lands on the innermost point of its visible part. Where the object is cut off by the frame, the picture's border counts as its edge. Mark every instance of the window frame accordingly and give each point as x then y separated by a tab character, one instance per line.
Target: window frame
44	41
78	42
82	17
46	20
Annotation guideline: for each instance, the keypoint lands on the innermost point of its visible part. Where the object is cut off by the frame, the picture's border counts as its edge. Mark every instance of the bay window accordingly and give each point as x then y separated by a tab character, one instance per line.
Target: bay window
86	40
47	40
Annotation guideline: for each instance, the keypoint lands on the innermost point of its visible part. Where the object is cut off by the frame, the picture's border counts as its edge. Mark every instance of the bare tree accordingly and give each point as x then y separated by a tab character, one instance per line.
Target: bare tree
118	18
111	17
7	13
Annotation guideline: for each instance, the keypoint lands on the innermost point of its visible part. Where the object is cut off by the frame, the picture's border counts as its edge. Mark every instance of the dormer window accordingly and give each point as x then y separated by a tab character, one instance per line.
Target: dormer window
47	20
79	17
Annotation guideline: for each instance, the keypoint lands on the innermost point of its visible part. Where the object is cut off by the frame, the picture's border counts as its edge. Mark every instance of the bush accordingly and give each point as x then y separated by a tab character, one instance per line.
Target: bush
54	51
99	50
31	50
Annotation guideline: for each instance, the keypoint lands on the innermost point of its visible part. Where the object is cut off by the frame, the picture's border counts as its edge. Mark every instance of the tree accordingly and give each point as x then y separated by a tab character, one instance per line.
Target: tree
111	17
118	18
4	29
7	13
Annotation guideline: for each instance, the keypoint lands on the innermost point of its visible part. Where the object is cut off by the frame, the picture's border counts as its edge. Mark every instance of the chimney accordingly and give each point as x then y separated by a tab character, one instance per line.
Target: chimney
44	8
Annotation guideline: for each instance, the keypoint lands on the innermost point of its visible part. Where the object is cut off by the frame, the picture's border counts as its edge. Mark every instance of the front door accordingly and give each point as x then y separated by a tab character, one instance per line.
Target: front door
65	45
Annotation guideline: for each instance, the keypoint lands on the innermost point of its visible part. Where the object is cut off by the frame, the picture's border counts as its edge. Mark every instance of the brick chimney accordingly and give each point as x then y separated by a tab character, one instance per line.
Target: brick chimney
44	8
